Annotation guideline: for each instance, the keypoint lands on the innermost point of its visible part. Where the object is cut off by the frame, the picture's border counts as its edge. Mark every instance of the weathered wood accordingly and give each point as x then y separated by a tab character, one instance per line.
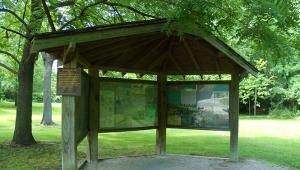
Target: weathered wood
82	109
82	61
69	144
199	82
141	58
234	116
106	130
69	53
192	56
94	109
39	44
109	79
162	114
229	52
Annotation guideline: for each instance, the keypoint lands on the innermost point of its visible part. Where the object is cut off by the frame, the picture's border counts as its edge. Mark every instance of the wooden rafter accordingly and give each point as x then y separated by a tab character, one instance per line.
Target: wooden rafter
217	62
141	59
119	49
70	53
83	61
190	53
159	60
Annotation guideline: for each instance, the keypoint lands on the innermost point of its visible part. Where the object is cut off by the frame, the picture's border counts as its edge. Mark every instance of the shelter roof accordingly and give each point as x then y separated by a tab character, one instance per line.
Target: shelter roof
152	46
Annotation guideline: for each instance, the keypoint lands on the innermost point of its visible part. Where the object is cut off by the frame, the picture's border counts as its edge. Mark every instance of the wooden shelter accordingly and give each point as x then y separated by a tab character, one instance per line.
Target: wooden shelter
157	47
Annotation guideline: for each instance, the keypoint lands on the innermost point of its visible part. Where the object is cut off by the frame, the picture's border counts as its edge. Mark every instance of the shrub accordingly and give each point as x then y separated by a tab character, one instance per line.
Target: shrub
284	113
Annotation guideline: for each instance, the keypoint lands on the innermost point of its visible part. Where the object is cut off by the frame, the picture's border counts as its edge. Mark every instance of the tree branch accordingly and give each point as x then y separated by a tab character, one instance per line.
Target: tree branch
131	9
17	17
8	68
10	55
46	9
112	4
82	13
16	32
118	13
60	4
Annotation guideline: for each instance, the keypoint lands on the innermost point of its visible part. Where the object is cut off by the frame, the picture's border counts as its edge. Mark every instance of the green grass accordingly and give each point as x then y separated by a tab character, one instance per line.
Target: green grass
273	140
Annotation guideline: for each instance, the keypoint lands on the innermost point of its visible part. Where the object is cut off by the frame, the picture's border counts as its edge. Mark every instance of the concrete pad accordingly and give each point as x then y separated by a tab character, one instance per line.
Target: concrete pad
181	162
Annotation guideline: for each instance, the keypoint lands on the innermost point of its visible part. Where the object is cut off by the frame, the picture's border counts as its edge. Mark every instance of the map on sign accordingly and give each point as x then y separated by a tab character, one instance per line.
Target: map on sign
127	105
69	81
200	106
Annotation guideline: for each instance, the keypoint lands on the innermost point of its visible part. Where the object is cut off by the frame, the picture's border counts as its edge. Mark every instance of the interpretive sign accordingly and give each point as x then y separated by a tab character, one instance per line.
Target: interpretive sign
69	81
126	105
199	106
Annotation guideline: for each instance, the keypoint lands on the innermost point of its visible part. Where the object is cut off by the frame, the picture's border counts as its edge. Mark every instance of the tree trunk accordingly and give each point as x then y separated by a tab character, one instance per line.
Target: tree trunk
47	112
249	107
255	101
23	129
23	126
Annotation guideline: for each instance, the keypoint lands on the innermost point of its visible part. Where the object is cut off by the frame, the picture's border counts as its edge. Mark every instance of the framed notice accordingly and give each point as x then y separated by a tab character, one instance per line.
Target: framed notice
198	106
69	81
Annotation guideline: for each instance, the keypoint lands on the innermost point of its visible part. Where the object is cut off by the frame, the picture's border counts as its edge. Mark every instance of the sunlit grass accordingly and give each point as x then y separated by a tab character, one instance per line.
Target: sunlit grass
276	141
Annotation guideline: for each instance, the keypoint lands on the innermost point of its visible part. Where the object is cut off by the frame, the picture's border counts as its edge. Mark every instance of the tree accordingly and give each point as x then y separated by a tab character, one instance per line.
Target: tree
254	88
47	112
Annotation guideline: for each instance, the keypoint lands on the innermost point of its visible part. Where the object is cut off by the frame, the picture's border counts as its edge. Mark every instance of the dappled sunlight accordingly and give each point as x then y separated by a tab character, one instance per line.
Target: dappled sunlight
285	129
276	141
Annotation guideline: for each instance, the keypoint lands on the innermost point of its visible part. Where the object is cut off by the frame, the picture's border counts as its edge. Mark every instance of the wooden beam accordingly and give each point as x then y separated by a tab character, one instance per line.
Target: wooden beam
40	44
94	111
162	114
190	53
69	143
141	59
83	61
69	53
228	51
234	116
116	49
159	60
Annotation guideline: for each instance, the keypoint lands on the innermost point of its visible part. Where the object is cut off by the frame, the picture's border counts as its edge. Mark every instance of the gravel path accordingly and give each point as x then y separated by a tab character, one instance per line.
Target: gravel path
182	162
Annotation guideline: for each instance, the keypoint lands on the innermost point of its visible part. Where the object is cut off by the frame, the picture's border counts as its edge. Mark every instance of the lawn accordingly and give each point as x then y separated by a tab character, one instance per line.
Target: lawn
275	141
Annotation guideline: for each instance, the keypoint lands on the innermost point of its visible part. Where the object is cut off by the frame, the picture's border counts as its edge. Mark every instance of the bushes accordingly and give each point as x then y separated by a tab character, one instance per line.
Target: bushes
284	113
38	97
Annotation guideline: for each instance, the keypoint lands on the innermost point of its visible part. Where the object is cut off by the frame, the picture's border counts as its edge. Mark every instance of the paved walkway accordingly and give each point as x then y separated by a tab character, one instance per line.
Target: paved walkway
182	162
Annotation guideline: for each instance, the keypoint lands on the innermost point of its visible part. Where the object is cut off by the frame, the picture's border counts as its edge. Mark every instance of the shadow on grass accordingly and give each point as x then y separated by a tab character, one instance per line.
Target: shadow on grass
44	155
47	155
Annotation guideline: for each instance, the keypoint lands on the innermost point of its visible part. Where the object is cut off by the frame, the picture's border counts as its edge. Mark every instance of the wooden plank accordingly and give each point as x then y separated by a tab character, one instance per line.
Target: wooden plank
82	61
199	82
51	42
109	79
69	144
228	51
234	116
210	129
192	56
106	130
69	53
94	109
152	50
82	109
162	114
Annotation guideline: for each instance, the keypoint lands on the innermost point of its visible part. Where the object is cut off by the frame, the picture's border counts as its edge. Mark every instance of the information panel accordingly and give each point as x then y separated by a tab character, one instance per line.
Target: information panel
127	105
203	106
69	81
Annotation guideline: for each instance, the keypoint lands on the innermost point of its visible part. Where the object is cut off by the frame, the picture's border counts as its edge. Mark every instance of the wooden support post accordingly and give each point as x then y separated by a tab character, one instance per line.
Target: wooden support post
234	116
94	109
162	114
69	144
